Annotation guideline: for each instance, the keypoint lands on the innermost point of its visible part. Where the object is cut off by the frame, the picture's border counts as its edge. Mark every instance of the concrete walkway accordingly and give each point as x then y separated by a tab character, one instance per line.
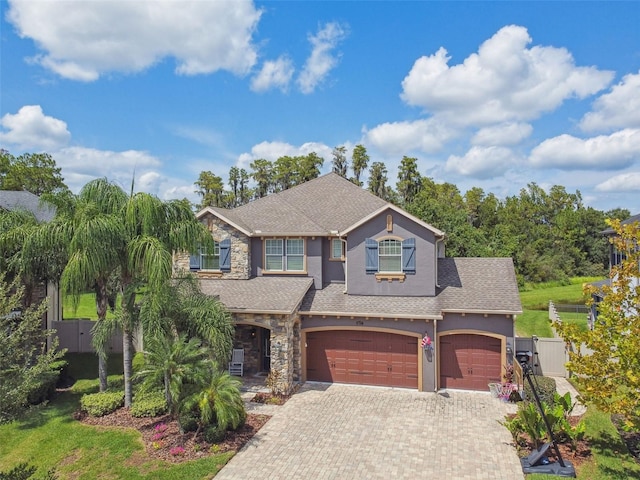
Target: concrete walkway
563	386
353	432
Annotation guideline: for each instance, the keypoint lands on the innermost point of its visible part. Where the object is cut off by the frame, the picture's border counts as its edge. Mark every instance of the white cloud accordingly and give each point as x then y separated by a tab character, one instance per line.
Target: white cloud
625	182
83	40
510	133
274	74
322	59
273	150
604	152
395	138
619	108
31	129
482	162
505	81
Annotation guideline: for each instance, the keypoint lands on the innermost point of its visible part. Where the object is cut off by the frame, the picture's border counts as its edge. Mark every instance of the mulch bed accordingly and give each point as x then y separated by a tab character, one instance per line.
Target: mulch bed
270	398
577	456
167	443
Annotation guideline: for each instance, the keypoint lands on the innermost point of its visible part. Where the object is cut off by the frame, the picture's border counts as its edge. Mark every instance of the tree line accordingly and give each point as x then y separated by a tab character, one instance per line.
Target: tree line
551	235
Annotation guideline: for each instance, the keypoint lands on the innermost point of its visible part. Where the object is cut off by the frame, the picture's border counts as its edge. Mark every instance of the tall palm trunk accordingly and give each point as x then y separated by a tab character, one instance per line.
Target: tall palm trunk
101	308
127	357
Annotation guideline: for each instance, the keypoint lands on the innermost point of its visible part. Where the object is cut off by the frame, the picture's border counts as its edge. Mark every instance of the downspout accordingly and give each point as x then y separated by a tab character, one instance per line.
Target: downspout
438	240
436	350
344	243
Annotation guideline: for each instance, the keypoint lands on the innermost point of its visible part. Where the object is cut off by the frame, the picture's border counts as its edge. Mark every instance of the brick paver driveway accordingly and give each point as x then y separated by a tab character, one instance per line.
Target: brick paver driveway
351	432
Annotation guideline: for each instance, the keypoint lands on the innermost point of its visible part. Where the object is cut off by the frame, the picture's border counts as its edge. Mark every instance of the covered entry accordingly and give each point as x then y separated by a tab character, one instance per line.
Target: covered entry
362	357
470	361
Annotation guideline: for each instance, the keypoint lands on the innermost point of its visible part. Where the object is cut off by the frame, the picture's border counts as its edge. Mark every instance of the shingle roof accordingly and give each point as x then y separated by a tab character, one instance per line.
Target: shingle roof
16	200
628	221
332	300
481	285
317	207
478	285
278	295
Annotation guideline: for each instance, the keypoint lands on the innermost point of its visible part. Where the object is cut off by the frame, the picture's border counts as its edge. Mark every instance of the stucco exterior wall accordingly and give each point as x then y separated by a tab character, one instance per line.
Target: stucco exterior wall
422	283
332	270
313	254
498	324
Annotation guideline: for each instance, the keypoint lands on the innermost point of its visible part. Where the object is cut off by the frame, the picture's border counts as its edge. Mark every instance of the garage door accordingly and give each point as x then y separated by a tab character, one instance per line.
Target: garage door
360	357
469	362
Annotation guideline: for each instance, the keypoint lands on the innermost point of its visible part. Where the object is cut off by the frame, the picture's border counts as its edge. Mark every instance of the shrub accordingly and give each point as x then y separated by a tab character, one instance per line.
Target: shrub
188	421
213	434
545	387
102	403
149	404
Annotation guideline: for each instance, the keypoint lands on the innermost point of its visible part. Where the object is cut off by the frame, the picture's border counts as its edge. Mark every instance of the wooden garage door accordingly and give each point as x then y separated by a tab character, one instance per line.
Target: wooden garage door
360	357
469	362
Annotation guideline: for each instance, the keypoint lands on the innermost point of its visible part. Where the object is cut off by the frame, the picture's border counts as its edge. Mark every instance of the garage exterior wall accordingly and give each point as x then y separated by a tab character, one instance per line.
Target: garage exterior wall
416	328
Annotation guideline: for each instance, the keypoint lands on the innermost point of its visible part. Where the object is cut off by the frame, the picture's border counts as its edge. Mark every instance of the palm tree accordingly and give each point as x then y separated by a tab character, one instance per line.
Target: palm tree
93	230
220	401
154	230
173	362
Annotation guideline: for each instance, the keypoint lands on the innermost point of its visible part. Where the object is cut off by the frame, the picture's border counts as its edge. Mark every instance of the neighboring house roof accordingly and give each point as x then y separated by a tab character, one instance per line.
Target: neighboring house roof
276	295
464	286
22	200
632	219
329	203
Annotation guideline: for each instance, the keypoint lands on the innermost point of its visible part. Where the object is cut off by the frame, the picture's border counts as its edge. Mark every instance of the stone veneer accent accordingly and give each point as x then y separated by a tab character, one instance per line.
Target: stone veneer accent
240	251
285	345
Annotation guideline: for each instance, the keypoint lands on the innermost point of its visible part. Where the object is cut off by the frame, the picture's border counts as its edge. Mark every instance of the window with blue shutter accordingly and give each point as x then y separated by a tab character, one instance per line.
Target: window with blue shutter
371	255
194	261
409	256
225	255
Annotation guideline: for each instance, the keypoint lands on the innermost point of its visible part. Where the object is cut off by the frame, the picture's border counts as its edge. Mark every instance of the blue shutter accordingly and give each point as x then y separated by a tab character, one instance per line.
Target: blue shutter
225	255
371	255
409	256
194	260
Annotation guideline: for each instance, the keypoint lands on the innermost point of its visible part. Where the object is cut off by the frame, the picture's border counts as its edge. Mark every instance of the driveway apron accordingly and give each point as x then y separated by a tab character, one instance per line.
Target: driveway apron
352	432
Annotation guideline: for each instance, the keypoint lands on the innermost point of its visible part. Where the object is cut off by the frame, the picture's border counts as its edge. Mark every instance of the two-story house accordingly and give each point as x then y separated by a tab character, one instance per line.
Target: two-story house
615	258
327	282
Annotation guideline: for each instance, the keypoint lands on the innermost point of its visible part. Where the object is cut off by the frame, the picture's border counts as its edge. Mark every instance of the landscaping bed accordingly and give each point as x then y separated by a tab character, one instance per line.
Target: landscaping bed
270	398
163	440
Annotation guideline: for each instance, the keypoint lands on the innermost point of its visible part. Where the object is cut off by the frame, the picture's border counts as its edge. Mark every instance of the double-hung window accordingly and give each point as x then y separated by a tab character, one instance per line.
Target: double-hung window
210	260
217	259
390	255
337	249
284	255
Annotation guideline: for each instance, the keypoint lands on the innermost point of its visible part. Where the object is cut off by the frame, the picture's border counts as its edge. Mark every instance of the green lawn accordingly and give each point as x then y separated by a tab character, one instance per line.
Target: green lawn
86	308
49	437
535	304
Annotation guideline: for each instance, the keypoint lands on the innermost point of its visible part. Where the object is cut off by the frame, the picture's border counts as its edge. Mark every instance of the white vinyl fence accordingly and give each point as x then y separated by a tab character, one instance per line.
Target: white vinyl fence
549	355
75	336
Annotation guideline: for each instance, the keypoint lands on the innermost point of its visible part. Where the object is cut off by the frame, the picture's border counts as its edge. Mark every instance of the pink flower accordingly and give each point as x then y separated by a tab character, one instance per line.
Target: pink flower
177	451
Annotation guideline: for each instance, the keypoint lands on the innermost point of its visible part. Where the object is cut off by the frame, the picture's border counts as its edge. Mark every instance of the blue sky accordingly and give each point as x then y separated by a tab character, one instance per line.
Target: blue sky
487	94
